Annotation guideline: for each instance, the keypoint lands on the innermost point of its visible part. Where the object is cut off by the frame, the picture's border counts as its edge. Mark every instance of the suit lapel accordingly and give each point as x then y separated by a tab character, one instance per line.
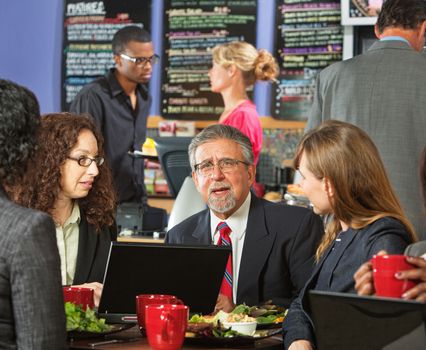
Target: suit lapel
258	242
202	232
87	244
349	237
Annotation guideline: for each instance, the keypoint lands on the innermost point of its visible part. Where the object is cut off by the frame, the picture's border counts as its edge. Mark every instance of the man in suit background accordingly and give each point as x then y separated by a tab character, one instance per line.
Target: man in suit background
382	91
31	303
272	244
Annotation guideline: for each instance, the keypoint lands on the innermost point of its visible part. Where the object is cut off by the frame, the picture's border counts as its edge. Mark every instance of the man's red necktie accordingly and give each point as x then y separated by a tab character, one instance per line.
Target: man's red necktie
225	240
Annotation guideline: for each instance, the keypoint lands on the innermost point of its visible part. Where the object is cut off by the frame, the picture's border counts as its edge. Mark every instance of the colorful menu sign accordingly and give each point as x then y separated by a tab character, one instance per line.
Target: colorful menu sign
88	30
192	28
309	39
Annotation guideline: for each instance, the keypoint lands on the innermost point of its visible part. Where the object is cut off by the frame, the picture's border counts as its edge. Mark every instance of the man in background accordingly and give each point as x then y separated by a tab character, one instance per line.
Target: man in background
272	244
383	92
119	103
32	314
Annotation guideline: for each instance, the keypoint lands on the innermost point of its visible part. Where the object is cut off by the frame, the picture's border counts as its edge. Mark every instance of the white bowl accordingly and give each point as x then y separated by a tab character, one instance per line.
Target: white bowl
246	328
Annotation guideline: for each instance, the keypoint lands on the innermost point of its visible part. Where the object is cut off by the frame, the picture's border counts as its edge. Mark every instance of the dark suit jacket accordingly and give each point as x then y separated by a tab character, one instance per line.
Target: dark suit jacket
93	250
277	256
382	92
360	246
31	303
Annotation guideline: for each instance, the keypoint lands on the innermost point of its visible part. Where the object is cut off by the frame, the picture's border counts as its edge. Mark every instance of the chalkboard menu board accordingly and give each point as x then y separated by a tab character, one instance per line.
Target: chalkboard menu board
88	30
192	29
309	39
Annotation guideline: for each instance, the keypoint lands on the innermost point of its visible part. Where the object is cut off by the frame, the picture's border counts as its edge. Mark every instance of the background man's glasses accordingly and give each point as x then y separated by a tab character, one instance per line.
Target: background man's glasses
226	165
141	61
86	161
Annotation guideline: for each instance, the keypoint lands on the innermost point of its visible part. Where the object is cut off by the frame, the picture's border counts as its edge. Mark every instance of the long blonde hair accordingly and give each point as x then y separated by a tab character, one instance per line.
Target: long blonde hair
254	64
346	156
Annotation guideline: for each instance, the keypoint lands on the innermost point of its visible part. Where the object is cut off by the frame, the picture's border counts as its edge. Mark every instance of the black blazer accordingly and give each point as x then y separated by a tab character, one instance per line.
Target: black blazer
360	246
277	256
93	250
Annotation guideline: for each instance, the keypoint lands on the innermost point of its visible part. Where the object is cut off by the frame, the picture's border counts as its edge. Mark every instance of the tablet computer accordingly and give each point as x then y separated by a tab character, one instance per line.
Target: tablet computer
192	273
348	321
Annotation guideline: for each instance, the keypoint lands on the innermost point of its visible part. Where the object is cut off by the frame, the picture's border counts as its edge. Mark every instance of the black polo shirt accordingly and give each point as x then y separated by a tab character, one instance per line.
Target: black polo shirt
123	128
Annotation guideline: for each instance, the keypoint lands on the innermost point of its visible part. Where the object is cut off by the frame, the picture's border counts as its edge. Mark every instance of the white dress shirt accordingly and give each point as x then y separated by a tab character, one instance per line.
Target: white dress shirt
237	222
67	241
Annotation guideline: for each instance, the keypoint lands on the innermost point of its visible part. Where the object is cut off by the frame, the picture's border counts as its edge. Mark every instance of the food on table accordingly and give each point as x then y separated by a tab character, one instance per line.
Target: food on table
214	325
238	318
81	320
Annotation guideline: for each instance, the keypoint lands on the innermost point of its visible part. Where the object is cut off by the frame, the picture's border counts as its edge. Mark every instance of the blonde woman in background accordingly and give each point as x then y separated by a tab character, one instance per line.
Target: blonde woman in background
237	66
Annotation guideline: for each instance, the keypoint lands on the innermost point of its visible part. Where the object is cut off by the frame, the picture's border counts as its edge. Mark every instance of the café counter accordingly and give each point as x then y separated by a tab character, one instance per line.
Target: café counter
131	339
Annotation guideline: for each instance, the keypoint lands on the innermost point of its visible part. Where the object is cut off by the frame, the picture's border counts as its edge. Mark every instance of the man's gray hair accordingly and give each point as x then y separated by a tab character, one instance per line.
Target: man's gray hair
220	131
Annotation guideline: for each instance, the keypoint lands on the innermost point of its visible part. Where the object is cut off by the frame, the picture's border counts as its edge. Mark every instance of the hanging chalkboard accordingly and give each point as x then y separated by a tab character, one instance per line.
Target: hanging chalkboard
309	39
88	30
192	28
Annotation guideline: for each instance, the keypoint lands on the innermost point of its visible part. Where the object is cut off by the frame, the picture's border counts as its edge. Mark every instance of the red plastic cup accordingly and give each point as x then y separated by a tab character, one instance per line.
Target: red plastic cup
79	296
166	325
384	269
146	299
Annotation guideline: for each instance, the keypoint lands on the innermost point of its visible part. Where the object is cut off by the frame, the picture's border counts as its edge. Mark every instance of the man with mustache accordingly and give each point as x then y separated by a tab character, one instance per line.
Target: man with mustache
272	244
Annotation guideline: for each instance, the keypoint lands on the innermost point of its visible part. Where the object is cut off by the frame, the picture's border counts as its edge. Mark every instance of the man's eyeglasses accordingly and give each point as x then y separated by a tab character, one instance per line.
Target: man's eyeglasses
226	165
141	61
87	161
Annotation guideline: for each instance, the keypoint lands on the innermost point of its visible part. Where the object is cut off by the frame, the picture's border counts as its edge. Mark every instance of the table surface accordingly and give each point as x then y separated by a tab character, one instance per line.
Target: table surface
131	339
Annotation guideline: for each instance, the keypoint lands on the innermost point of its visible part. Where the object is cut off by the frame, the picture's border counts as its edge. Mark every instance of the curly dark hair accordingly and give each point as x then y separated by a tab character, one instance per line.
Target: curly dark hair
19	119
57	135
407	14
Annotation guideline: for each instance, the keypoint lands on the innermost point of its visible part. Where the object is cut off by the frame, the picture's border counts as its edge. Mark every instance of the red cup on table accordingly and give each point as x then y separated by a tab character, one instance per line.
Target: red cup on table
142	300
166	325
384	269
79	296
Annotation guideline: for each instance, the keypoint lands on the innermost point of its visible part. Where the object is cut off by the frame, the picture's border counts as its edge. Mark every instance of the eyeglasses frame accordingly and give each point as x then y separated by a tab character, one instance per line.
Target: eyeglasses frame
141	61
236	162
98	160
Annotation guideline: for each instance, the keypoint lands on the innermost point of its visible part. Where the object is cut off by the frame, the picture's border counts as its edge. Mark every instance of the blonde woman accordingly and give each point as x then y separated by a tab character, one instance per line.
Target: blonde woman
343	176
237	66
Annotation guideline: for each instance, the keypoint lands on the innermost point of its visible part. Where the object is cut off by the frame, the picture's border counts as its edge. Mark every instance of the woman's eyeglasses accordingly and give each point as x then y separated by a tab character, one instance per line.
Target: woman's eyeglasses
86	161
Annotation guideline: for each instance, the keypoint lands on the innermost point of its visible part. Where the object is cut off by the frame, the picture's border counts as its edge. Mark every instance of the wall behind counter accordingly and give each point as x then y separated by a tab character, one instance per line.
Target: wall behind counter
30	50
30	53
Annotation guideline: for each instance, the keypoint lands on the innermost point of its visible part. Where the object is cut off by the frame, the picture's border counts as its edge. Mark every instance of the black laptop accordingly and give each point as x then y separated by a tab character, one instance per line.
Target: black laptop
348	321
192	273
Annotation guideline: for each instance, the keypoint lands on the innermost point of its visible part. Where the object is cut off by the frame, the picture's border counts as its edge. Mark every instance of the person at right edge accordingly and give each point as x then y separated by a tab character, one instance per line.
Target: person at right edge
345	180
383	92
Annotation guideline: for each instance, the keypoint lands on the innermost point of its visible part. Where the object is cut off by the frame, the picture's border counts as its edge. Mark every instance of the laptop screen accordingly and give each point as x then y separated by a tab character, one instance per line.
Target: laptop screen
348	321
191	273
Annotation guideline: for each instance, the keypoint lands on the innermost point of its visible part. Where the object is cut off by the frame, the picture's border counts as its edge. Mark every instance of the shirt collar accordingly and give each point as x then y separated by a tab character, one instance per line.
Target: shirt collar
395	38
237	222
74	217
116	88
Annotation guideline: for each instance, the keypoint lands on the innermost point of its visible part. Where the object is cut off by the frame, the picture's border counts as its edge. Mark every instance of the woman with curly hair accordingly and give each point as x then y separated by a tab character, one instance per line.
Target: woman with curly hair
70	181
237	66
